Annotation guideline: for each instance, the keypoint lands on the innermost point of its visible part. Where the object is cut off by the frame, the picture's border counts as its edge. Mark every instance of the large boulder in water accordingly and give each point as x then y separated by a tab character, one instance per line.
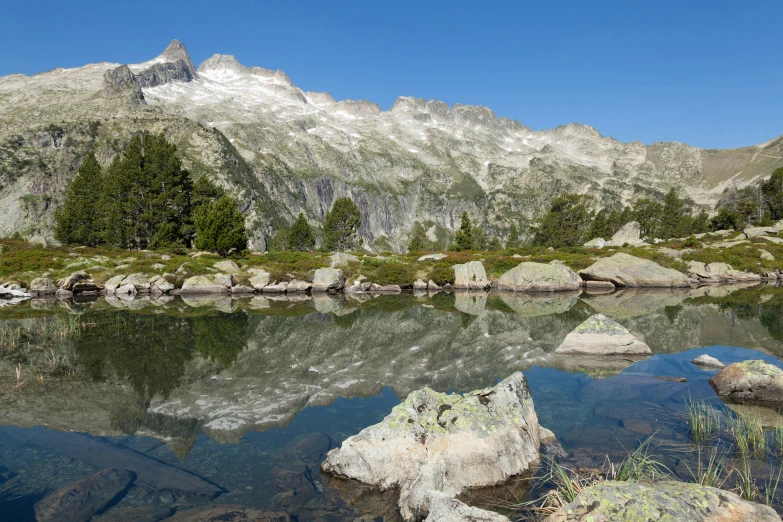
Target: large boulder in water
470	276
80	500
626	270
600	335
539	277
749	381
613	501
433	446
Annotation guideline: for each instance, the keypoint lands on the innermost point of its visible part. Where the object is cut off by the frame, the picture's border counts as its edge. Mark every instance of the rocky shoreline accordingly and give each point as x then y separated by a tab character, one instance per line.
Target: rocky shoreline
605	275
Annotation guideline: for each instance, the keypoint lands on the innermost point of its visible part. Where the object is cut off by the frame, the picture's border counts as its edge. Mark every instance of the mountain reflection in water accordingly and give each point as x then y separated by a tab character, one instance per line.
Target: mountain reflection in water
247	395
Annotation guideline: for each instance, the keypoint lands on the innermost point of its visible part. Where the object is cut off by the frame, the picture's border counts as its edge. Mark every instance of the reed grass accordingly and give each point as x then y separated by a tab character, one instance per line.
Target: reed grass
771	487
714	473
745	484
703	421
638	465
748	434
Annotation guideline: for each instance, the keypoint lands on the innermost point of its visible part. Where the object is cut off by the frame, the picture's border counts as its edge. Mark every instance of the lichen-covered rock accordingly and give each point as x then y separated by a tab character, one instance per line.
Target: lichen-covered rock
113	283
539	277
751	232
227	266
706	361
68	282
598	243
626	270
435	444
140	281
612	501
42	286
326	279
226	280
342	259
470	276
298	286
600	335
202	285
433	257
419	285
260	279
749	381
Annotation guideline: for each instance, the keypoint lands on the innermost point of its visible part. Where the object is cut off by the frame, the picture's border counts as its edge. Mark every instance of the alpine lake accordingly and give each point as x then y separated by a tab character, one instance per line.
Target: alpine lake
217	401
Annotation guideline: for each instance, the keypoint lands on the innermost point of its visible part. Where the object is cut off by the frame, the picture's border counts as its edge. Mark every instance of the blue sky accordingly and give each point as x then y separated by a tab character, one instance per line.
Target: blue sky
706	73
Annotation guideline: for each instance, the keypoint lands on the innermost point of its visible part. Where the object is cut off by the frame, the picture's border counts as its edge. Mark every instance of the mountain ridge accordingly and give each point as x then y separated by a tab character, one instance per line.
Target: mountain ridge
281	149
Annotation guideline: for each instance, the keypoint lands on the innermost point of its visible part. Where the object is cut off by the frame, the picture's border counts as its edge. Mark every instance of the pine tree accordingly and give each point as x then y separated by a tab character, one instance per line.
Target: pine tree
75	220
115	206
418	240
301	237
494	244
464	238
566	224
772	193
600	226
220	227
479	238
513	237
648	213
342	225
673	223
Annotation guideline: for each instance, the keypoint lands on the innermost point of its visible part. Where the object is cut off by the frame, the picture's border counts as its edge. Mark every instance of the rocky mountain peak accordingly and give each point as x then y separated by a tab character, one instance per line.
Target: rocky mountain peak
174	52
222	62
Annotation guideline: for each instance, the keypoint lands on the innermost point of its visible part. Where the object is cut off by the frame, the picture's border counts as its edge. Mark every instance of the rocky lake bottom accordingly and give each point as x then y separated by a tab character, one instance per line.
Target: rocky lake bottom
220	401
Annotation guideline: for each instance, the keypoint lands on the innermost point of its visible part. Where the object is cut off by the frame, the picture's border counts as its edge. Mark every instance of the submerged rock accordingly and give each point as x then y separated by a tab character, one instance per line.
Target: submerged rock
626	270
80	500
433	446
539	277
706	361
613	501
470	276
600	335
749	381
229	513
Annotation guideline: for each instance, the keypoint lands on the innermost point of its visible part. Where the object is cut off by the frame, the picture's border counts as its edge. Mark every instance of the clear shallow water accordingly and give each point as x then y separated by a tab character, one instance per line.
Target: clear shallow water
247	396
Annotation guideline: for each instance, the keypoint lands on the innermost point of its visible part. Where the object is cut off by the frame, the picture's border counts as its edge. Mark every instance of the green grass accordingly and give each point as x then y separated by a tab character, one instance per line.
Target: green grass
714	473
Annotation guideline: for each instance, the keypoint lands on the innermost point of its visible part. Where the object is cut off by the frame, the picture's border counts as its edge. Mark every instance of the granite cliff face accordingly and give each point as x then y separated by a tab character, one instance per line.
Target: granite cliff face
281	150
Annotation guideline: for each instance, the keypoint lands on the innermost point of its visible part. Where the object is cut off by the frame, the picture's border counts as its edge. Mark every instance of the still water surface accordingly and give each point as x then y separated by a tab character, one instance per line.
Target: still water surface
237	401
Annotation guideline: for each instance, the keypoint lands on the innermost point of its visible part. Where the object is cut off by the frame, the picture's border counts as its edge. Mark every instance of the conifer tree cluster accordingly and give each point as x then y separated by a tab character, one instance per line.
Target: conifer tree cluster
145	199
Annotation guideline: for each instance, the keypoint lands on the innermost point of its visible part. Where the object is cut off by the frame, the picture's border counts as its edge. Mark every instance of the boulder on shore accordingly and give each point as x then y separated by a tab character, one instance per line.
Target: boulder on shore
539	277
749	381
433	446
42	286
598	243
470	276
326	279
626	270
202	285
614	501
629	233
227	266
600	335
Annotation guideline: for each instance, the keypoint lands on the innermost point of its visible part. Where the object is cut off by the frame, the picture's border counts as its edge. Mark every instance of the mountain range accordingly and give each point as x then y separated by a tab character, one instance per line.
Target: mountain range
281	150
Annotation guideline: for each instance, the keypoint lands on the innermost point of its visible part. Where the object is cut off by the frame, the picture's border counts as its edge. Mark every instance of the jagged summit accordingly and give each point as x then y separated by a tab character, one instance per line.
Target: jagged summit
222	62
174	52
